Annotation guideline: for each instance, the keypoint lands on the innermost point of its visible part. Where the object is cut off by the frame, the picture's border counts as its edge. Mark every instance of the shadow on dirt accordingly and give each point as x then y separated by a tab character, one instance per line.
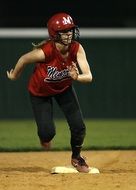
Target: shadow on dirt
25	169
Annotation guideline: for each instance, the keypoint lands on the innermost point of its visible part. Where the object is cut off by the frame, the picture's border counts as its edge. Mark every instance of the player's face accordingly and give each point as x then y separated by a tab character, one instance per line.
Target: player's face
66	36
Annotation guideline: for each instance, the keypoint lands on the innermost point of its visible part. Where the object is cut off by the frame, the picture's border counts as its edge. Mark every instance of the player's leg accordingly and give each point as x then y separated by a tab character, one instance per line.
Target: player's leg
69	104
43	113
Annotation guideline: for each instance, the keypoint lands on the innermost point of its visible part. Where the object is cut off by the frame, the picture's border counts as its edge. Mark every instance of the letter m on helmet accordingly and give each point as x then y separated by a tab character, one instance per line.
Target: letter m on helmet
67	20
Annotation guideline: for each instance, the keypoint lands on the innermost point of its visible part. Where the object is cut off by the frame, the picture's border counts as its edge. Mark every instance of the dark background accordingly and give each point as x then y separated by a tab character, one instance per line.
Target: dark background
86	13
112	94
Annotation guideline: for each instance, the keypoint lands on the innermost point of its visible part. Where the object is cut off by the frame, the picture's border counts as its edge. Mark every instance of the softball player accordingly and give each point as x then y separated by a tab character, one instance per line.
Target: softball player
56	66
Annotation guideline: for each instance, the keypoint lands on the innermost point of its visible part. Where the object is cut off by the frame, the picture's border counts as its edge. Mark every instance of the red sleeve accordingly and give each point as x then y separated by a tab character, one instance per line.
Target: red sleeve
74	49
47	49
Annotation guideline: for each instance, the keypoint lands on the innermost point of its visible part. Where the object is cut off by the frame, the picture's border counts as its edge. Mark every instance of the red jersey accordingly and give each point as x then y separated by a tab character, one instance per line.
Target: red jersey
51	77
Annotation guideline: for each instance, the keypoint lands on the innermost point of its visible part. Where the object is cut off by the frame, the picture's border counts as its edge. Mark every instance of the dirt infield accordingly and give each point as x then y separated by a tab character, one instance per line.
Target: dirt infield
31	171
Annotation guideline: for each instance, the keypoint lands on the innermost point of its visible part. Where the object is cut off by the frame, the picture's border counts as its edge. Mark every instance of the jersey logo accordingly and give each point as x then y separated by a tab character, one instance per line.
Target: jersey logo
67	20
55	75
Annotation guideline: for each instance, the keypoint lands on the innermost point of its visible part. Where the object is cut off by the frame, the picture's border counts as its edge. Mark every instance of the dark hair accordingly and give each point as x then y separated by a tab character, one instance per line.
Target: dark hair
38	45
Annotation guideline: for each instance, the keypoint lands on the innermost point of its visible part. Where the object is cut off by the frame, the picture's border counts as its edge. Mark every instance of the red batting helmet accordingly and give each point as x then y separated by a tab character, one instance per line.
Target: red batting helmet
59	22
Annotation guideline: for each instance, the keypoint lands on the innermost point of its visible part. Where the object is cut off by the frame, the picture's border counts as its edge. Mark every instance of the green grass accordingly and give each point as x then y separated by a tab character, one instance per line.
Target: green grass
21	135
111	134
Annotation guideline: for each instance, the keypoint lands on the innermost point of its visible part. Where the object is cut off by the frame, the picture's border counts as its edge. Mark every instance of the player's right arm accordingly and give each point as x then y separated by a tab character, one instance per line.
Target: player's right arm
37	55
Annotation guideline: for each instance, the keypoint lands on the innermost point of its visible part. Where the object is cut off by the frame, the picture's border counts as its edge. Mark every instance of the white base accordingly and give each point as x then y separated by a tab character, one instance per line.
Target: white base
71	169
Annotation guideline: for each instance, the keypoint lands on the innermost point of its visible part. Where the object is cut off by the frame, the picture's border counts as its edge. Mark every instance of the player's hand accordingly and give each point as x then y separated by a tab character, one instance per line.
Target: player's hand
73	71
10	75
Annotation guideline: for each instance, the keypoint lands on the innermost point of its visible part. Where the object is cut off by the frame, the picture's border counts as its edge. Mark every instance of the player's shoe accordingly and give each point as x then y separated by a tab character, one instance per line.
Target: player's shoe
80	164
46	145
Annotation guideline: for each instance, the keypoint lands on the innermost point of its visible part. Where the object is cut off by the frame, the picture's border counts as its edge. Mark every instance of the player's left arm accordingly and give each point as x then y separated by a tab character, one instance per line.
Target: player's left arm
85	75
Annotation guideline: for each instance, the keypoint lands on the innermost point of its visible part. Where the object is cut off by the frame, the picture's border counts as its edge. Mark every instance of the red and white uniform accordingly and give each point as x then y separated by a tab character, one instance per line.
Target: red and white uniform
51	77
